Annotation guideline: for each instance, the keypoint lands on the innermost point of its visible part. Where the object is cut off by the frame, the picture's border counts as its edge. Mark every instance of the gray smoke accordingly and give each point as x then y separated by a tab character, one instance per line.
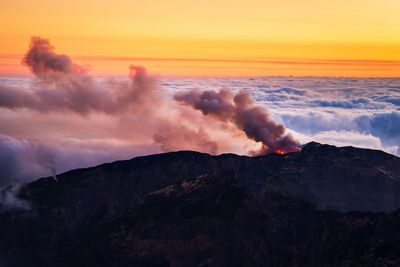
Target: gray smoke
42	60
62	85
240	109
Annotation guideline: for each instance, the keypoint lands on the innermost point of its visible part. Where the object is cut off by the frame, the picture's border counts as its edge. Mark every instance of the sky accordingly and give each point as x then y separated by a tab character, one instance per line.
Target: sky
210	38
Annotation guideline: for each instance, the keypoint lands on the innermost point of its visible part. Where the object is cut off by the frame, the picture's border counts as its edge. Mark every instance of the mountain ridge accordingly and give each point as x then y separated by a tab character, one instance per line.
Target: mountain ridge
289	164
353	189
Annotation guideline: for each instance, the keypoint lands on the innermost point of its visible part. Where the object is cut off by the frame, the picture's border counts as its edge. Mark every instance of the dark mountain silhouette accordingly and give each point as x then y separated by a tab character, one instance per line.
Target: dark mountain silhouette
322	206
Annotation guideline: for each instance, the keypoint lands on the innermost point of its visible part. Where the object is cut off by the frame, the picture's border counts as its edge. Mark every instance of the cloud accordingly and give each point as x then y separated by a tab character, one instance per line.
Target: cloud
347	138
395	100
361	103
386	126
9	198
341	107
288	90
275	97
311	122
23	160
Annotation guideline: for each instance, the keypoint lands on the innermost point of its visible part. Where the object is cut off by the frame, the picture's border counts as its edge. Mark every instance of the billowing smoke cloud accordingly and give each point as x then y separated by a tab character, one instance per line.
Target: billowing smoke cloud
66	118
240	109
42	60
65	86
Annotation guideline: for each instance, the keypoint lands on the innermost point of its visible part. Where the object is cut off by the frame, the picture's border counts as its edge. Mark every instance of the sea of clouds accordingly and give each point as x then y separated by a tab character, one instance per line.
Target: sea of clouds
362	112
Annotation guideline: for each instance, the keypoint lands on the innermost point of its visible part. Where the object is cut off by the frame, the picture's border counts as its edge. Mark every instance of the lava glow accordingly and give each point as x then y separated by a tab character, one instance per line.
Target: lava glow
280	151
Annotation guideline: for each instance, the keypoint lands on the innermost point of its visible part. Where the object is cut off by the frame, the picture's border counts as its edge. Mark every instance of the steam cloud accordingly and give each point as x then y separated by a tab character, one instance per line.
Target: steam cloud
241	110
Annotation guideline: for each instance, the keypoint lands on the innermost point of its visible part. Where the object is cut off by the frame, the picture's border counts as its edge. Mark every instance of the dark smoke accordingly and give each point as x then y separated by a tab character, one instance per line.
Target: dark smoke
241	110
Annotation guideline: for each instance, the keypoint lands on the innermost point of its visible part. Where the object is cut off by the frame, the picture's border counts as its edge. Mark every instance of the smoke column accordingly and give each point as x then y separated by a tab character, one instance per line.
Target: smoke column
240	109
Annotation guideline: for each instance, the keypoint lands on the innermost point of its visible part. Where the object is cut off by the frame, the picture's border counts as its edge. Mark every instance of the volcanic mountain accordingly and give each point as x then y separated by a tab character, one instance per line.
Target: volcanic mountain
321	206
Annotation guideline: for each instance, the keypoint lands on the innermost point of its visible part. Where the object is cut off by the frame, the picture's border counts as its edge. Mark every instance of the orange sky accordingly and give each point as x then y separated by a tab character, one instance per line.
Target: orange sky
210	38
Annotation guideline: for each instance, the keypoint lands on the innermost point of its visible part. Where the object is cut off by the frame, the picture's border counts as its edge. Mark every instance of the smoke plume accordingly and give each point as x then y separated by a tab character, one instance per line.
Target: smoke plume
241	110
68	119
62	86
42	60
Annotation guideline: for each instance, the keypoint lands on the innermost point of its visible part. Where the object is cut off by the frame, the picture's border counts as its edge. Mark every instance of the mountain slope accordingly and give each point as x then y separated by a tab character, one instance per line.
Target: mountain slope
211	222
309	191
343	179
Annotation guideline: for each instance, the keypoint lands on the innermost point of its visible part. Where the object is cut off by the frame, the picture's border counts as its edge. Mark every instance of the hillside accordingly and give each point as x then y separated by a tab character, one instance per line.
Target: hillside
322	206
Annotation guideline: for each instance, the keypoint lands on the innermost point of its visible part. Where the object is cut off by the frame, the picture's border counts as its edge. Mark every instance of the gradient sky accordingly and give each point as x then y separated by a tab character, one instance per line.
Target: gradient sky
210	38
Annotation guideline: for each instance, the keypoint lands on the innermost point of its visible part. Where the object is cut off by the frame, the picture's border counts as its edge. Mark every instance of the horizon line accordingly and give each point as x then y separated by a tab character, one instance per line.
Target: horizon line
289	61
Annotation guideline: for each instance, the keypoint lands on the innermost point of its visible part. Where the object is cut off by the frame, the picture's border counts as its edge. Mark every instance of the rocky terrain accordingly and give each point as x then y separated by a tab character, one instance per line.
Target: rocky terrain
322	206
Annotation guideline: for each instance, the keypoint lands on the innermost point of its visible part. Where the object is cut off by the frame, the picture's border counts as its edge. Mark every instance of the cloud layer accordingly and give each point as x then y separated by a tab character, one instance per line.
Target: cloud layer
64	118
362	112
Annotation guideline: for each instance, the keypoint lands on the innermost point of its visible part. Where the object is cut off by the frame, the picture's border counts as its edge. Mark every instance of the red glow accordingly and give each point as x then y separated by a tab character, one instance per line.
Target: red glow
280	151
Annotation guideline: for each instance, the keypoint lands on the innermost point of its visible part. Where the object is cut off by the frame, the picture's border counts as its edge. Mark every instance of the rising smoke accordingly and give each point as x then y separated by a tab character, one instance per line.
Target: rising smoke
132	112
42	60
241	110
62	85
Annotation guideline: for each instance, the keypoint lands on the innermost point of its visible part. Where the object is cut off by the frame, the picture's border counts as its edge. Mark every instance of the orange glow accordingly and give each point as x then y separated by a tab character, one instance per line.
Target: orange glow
211	38
279	152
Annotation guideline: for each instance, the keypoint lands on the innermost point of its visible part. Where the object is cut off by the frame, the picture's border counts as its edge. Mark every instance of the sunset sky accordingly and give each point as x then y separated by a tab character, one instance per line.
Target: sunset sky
210	38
